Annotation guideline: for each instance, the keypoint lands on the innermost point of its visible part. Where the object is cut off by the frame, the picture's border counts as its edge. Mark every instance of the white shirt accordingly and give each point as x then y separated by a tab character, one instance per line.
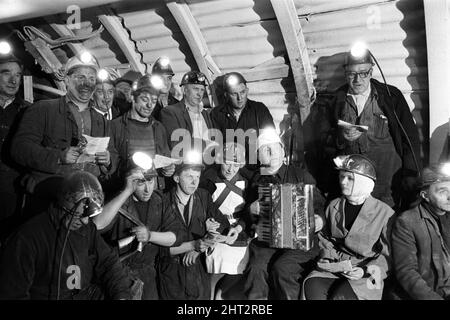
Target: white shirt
109	113
360	99
199	127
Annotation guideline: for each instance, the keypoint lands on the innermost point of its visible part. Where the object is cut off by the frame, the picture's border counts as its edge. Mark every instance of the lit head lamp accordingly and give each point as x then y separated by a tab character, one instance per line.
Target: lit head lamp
143	161
435	174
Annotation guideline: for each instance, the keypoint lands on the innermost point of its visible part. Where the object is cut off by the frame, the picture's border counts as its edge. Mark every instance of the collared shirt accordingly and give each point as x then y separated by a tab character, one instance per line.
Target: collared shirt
82	118
182	201
199	127
7	102
360	99
107	114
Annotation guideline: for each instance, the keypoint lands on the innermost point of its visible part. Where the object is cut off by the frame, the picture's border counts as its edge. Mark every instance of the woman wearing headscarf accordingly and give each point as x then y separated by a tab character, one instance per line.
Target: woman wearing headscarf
354	243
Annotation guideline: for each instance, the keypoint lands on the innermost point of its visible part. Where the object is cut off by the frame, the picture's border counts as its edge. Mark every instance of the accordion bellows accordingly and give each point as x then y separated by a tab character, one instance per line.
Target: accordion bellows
286	216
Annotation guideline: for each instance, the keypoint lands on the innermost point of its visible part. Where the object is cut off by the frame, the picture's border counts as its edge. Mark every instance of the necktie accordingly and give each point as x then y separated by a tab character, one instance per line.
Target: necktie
186	212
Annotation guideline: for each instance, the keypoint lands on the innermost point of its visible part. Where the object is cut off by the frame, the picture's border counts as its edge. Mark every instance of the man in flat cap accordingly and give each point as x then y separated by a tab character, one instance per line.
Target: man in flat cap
391	141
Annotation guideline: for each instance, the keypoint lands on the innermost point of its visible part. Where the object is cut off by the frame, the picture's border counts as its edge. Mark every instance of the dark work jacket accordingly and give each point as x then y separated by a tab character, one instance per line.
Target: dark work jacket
329	131
47	128
418	255
254	116
151	215
118	145
30	262
156	113
176	116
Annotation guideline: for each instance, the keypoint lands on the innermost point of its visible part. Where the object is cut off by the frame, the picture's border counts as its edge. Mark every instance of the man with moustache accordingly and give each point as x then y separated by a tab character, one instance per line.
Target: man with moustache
421	239
188	114
365	101
11	110
137	130
59	255
50	138
162	68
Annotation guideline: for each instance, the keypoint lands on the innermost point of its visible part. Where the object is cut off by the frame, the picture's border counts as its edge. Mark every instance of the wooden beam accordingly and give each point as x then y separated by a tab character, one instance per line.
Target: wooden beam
266	73
191	31
297	51
121	36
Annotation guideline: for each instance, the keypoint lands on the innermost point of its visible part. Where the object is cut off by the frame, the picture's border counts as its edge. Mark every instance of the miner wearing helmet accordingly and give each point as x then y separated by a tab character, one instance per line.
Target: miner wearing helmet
104	95
421	240
138	131
390	137
239	112
188	114
273	272
163	68
138	239
182	270
12	107
227	187
52	135
59	255
356	239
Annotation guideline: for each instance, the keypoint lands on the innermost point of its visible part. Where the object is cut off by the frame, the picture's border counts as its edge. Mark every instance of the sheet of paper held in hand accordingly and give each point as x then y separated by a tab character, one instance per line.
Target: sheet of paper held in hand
335	267
94	145
161	161
348	125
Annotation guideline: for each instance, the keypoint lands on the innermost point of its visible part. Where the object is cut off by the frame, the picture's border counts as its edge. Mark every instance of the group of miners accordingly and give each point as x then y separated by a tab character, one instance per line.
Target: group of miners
137	219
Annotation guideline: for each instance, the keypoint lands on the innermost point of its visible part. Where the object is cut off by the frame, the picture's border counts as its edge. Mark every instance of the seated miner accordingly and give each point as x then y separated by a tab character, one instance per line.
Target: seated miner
52	135
134	223
162	68
355	241
137	130
104	96
60	255
181	270
227	188
275	273
421	239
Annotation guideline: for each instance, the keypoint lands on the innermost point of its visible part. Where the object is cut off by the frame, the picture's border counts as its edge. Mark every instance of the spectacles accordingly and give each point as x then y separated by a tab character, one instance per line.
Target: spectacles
363	74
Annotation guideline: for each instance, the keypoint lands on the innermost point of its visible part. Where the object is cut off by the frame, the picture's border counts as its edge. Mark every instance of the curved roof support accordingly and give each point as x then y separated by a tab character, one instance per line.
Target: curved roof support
297	51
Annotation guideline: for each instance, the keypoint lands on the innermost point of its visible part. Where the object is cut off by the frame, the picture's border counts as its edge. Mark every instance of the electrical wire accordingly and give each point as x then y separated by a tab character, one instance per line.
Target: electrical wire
396	116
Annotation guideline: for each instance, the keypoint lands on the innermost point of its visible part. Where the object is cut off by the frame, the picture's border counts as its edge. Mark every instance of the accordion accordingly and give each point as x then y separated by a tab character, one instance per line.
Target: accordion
286	216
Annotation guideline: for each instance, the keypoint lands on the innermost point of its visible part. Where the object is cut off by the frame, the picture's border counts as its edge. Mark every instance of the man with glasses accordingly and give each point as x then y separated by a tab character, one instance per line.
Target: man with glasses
365	101
50	137
137	130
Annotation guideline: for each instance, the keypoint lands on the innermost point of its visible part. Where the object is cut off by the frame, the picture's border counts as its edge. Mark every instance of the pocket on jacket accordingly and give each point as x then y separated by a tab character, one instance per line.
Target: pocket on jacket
381	126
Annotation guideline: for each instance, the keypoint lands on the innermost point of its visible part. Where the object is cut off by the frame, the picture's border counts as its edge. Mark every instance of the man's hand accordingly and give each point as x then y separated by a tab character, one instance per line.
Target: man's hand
356	274
254	208
70	155
132	179
351	134
103	158
212	225
233	234
318	223
142	233
190	258
169	170
201	245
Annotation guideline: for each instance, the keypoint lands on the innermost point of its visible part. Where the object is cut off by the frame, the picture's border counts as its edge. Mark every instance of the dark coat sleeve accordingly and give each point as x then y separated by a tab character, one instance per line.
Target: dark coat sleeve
170	123
213	212
17	269
265	117
109	270
404	249
27	148
161	140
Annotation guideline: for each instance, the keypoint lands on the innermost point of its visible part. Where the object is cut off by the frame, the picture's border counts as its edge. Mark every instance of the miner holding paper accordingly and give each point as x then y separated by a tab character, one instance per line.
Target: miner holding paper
369	118
52	134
